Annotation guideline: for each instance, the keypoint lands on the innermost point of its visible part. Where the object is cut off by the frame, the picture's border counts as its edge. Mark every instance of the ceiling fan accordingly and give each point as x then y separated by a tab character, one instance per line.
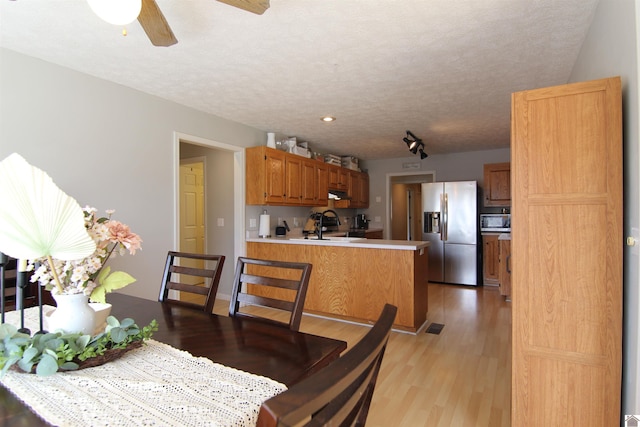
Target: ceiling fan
155	25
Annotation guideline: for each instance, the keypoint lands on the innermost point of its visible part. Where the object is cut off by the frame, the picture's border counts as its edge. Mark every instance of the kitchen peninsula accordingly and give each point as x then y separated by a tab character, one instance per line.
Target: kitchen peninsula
353	279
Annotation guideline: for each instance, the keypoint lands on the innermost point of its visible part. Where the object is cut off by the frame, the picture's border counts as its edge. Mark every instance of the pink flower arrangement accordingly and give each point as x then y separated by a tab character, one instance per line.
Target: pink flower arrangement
90	275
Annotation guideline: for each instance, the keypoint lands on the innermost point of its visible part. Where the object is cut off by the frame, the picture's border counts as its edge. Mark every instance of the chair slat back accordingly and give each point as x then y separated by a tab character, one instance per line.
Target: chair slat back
339	394
197	274
278	285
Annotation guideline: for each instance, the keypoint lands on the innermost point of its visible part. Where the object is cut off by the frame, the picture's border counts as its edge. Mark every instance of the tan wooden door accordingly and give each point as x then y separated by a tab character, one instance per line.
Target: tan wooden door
566	156
192	226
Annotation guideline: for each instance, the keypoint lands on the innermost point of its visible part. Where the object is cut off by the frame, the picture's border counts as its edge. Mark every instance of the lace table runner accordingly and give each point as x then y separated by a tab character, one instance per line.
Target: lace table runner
155	385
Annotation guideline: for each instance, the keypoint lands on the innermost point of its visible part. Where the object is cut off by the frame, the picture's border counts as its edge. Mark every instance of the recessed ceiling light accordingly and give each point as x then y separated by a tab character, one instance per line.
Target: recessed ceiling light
328	119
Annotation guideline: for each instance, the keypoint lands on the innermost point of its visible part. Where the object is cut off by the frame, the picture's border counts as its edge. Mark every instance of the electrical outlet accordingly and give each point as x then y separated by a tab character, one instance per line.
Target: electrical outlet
377	219
252	223
295	222
279	220
378	199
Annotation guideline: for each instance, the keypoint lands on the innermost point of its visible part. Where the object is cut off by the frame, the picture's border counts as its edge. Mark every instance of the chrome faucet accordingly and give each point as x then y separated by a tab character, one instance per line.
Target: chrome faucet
319	229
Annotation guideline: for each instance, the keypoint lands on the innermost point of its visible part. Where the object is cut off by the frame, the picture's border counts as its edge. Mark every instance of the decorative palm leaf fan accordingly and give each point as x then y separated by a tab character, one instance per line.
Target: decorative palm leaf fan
155	25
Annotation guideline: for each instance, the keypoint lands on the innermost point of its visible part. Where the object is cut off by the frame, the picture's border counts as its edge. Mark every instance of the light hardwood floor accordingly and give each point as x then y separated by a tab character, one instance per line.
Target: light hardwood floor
459	378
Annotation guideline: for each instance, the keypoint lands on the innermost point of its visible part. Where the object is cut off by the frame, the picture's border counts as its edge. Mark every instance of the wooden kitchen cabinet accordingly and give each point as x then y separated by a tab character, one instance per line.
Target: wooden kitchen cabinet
277	178
306	182
358	189
309	183
567	246
338	178
504	249
322	183
373	234
490	259
352	283
265	176
497	184
293	180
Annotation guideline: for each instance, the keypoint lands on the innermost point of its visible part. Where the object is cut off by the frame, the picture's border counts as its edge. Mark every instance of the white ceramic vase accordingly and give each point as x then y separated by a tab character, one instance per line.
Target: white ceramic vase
72	314
102	311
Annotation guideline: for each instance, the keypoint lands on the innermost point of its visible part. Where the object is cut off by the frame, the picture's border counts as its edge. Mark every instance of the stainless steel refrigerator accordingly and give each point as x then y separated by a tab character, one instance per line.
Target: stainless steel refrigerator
450	223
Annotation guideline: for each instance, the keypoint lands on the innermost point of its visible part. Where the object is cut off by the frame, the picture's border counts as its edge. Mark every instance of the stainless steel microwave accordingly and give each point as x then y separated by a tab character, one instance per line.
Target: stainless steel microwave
498	223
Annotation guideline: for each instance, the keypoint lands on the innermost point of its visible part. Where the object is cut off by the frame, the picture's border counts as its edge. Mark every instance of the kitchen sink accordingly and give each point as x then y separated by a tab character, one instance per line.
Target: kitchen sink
331	239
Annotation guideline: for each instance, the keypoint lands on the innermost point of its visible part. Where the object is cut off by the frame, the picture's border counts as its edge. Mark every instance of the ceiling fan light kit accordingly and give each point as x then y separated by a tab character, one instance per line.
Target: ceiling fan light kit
116	12
153	22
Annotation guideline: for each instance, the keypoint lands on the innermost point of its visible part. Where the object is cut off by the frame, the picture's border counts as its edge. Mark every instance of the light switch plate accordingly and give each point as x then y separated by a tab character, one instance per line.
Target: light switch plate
252	223
220	222
378	199
635	235
377	219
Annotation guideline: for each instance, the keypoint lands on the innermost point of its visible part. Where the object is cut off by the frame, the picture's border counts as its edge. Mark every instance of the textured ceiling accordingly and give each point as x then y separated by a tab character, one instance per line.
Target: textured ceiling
442	69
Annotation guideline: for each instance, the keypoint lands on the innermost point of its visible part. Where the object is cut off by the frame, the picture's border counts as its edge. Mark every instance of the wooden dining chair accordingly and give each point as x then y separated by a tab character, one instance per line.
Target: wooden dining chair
9	280
338	395
278	285
197	274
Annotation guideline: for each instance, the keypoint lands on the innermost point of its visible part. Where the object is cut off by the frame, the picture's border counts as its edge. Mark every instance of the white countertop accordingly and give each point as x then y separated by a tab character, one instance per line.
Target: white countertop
406	245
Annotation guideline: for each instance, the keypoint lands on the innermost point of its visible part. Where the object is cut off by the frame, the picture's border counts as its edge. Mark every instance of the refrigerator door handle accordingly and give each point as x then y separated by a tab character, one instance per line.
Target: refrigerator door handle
445	217
441	216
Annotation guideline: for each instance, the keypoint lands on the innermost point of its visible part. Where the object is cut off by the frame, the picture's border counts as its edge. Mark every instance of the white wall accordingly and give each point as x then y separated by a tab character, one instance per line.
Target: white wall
107	146
610	49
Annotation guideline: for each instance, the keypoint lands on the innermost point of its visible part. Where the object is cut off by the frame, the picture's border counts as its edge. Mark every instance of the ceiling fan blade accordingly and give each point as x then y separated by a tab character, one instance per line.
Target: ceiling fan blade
255	6
154	24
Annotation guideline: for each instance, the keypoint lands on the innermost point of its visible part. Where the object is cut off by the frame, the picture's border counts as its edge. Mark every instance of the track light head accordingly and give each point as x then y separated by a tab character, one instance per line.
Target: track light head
415	144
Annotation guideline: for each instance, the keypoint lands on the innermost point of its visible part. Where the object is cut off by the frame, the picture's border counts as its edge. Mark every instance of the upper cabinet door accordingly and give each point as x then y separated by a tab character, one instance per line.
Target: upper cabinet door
309	183
322	179
566	252
275	166
293	179
497	184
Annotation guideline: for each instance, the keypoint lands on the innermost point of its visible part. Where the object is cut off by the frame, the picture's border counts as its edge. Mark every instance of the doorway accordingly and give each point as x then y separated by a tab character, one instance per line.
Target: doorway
404	204
222	215
406	211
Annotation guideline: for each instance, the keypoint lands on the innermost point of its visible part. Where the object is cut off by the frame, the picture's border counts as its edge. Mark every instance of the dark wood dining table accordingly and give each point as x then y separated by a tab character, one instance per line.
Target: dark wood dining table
249	345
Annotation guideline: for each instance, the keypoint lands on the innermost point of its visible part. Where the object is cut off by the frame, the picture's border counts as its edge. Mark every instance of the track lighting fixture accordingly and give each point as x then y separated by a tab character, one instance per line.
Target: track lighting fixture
415	144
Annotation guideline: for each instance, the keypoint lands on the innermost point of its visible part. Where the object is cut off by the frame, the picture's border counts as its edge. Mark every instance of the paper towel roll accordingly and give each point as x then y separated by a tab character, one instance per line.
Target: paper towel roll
265	223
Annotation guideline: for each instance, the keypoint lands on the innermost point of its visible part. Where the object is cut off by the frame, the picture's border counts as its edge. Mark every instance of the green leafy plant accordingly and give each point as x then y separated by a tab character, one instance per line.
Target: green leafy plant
47	353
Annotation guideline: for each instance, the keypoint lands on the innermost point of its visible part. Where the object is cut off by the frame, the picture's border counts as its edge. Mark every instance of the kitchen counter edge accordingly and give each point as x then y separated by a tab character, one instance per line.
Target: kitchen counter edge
406	245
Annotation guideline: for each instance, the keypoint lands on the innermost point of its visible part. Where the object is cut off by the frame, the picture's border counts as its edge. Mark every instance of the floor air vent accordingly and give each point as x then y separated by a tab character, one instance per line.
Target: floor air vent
435	328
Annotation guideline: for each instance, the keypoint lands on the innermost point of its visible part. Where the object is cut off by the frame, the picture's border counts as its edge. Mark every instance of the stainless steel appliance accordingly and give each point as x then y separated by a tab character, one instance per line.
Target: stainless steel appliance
495	223
451	225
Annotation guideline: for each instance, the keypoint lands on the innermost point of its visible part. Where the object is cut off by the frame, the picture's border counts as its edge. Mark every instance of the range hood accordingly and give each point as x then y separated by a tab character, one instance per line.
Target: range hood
338	195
